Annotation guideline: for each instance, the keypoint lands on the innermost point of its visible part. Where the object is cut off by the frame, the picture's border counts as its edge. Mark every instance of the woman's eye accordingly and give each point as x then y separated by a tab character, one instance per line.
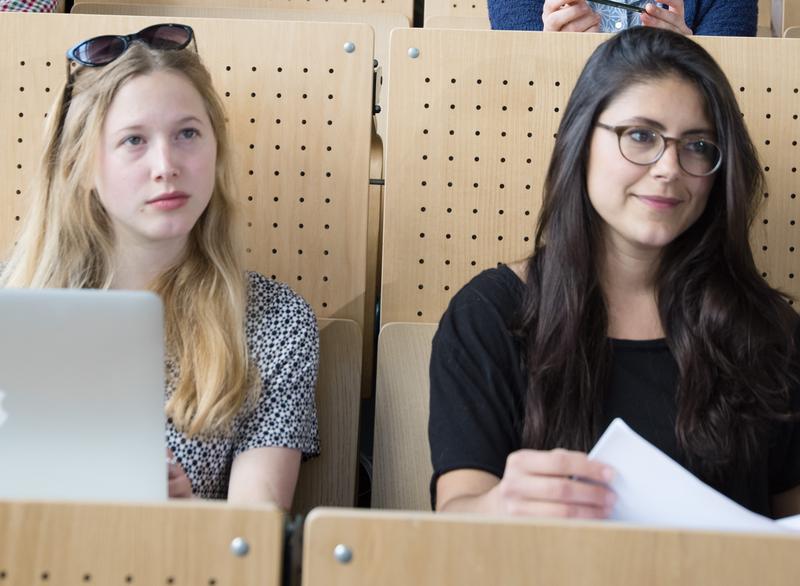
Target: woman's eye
189	133
133	140
641	135
699	147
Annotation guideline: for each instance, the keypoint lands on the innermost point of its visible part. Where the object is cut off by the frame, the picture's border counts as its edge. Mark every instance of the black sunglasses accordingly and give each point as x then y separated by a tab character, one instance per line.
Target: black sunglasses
102	50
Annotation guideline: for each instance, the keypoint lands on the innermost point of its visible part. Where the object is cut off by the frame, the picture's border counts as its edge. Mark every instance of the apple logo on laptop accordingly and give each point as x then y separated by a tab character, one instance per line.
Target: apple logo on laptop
3	414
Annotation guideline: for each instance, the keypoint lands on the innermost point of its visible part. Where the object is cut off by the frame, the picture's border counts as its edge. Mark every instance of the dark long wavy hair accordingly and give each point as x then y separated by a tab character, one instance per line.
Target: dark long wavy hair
730	333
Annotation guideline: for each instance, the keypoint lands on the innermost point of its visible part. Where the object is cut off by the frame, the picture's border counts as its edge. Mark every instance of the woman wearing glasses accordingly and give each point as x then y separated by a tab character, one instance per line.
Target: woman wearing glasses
641	300
135	192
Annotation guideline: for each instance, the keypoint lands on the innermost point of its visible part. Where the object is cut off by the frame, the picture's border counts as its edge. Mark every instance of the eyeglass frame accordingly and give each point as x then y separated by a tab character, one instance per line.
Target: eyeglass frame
620	130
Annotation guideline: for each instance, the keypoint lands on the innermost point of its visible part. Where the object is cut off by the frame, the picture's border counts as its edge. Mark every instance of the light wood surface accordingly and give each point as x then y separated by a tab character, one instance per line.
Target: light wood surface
401	458
176	543
330	479
793	32
299	111
404	7
454	13
471	126
478	23
426	549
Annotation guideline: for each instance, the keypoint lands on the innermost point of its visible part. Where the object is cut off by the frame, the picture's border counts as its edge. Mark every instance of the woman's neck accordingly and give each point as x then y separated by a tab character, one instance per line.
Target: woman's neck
137	266
628	280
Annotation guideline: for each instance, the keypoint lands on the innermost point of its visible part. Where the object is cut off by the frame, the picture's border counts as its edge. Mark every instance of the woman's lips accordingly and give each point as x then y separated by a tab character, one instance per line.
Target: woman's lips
169	202
658	202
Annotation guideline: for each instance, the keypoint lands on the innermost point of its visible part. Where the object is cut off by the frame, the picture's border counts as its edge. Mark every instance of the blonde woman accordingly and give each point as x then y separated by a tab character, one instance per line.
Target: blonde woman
135	192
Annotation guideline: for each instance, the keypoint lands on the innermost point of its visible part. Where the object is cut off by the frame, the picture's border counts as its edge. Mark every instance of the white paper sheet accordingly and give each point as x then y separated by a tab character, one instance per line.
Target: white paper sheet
652	489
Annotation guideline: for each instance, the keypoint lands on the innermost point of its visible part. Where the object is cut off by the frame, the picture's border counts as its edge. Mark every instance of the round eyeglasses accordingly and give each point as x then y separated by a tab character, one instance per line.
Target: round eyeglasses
641	145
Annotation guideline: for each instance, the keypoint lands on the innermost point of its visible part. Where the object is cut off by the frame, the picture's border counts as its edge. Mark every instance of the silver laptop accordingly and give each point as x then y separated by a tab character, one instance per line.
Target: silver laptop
82	396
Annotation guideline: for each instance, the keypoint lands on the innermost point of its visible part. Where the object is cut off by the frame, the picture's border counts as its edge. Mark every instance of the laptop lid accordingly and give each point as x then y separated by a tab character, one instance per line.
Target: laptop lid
82	405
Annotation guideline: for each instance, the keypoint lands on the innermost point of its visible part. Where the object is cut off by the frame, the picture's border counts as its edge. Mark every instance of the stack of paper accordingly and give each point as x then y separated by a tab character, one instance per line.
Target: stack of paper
653	489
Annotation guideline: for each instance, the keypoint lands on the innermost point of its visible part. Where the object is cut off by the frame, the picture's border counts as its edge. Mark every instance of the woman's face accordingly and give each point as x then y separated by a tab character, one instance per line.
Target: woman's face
156	160
648	206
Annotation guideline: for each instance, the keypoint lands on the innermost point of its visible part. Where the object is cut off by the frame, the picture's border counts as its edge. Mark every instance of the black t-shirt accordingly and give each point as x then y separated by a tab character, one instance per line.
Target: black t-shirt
478	384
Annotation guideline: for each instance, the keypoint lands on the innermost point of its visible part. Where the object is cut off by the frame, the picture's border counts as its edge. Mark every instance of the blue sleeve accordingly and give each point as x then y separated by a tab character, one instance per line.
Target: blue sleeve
516	15
730	18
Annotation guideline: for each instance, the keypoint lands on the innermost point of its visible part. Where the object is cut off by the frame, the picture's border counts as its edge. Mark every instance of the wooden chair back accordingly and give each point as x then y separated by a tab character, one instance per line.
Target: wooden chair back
401	456
189	542
360	548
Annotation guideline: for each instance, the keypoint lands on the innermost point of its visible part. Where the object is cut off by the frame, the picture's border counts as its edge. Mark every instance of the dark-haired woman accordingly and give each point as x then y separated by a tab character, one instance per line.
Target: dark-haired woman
641	300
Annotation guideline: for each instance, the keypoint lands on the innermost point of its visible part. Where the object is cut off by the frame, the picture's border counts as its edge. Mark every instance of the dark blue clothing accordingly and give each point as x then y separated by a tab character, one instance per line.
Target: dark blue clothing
732	18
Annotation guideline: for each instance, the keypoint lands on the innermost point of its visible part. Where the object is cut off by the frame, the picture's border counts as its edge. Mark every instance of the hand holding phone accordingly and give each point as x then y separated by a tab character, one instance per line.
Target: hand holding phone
569	15
670	18
628	7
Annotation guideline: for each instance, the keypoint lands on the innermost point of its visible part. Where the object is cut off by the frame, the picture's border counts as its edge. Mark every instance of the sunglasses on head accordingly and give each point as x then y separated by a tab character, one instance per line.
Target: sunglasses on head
99	51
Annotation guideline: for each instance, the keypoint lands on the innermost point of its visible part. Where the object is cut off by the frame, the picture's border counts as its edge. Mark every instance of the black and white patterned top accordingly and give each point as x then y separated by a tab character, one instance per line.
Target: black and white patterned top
283	341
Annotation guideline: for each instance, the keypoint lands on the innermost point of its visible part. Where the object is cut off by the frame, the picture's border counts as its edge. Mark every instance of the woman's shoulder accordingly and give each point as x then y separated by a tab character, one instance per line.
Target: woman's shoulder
485	311
270	299
500	288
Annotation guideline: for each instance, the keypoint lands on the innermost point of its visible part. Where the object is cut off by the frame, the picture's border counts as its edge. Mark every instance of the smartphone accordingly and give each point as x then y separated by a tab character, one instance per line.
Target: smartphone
628	7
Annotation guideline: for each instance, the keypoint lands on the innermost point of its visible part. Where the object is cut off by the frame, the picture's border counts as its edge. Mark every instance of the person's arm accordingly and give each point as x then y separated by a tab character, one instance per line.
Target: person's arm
282	426
516	15
265	475
476	405
786	503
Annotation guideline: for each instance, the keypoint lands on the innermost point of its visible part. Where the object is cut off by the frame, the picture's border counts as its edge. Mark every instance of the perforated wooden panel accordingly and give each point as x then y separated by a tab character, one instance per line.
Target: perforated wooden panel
404	7
471	128
178	543
382	23
299	110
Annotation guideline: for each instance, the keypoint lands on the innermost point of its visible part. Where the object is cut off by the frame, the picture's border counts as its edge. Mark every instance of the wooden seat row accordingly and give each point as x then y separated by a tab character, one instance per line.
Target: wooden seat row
471	117
218	545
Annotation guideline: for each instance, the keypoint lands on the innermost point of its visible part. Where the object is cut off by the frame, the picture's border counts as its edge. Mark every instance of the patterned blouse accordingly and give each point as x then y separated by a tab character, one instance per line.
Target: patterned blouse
284	345
28	5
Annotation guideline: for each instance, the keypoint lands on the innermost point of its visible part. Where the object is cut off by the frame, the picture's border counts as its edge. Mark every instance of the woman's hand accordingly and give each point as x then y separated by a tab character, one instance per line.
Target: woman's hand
671	19
569	15
180	487
555	483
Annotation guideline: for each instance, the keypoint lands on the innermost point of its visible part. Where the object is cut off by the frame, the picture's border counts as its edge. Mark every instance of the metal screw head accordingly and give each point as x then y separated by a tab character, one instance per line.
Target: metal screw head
413	52
343	554
239	547
349	47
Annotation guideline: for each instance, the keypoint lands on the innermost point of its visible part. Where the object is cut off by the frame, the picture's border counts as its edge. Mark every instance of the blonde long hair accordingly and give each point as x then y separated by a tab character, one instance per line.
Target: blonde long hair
68	242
